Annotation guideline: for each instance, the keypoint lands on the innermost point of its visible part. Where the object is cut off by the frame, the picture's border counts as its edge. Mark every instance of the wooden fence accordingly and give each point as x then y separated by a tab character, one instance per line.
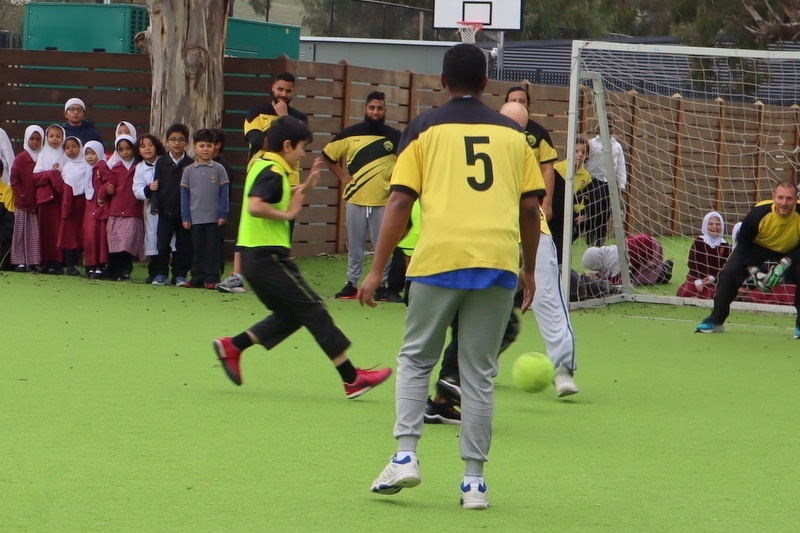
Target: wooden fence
34	86
687	157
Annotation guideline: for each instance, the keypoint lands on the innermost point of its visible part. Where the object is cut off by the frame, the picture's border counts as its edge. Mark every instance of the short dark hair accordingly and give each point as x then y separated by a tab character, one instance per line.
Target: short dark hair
284	76
180	128
219	137
286	128
204	135
516	88
464	68
376	95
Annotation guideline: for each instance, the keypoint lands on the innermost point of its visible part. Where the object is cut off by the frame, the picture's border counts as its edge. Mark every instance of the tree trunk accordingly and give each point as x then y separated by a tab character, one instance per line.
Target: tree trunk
187	46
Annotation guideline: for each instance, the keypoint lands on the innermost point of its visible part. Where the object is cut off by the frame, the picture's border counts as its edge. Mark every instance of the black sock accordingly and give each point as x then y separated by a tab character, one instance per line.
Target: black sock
347	371
242	341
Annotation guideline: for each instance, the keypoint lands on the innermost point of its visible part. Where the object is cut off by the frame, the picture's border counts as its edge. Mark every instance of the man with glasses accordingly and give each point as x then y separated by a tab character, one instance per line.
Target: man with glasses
166	203
76	124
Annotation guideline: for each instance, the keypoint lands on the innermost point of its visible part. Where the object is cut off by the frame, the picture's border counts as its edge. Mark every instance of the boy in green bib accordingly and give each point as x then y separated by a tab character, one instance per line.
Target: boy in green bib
264	241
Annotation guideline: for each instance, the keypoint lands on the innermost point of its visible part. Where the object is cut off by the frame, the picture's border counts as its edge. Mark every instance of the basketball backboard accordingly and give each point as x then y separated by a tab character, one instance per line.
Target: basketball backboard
497	15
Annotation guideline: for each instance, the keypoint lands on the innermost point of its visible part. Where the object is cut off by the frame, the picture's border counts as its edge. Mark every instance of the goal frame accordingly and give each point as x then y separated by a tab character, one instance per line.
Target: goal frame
577	78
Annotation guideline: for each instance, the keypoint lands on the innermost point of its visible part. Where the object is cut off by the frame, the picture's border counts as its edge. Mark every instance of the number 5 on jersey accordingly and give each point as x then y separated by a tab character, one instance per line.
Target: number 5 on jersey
473	157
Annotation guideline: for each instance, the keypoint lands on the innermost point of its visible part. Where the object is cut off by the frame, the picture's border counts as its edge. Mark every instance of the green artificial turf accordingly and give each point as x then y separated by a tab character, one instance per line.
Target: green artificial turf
116	417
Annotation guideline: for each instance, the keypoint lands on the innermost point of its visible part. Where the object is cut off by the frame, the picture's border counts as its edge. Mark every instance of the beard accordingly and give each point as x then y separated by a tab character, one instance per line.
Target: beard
281	98
374	122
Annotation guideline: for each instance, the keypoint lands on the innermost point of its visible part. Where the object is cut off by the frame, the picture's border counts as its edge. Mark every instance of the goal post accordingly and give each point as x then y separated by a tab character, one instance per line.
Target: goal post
702	129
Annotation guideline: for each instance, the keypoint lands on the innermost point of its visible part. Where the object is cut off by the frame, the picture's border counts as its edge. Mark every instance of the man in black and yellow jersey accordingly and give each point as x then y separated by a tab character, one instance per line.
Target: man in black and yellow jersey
478	186
259	119
264	240
769	232
539	139
369	149
256	124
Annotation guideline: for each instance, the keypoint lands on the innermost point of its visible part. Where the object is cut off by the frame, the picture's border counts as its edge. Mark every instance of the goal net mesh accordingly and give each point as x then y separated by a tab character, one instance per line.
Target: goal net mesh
701	129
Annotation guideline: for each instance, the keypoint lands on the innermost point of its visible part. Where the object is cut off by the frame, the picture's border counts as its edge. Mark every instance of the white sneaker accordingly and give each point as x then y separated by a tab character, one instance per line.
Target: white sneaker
565	385
234	283
398	475
474	496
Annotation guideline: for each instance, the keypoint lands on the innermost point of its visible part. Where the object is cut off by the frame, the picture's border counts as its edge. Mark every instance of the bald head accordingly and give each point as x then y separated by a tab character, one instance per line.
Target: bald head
516	112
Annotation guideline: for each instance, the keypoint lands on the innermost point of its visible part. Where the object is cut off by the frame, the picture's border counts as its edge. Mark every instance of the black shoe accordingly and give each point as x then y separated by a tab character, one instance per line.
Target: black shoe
348	292
393	297
666	271
57	271
380	294
195	283
149	279
450	388
72	271
21	268
512	331
441	413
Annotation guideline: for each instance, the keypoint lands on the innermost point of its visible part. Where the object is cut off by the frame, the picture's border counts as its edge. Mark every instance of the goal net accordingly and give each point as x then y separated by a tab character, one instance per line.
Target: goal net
701	130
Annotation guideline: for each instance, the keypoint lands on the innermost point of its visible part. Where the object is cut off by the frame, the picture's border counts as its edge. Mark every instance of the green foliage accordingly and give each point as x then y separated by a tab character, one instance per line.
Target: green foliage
260	6
350	18
11	18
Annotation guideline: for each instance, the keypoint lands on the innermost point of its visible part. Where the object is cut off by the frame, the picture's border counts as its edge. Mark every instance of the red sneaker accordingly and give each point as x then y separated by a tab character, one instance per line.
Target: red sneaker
211	286
229	355
365	380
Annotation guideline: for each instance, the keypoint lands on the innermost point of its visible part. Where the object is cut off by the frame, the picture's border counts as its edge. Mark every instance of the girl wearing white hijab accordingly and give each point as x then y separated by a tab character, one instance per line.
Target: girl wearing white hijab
6	156
25	247
47	175
735	234
645	261
604	260
73	204
125	226
95	217
707	256
123	128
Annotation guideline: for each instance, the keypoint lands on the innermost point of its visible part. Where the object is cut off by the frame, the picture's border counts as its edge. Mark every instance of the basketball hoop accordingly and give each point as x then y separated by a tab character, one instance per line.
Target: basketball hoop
468	30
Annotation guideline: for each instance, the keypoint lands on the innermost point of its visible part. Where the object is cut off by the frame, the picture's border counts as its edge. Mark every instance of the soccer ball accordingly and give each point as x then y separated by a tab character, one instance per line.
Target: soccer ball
532	372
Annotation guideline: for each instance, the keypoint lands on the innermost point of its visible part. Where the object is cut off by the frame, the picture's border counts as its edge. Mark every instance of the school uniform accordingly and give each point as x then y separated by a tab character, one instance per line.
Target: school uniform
204	201
25	247
73	205
95	218
48	200
166	202
125	226
85	131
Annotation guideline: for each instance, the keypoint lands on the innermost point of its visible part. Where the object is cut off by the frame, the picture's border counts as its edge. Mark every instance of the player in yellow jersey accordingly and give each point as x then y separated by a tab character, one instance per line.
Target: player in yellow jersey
368	149
539	139
581	180
769	232
479	186
259	119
